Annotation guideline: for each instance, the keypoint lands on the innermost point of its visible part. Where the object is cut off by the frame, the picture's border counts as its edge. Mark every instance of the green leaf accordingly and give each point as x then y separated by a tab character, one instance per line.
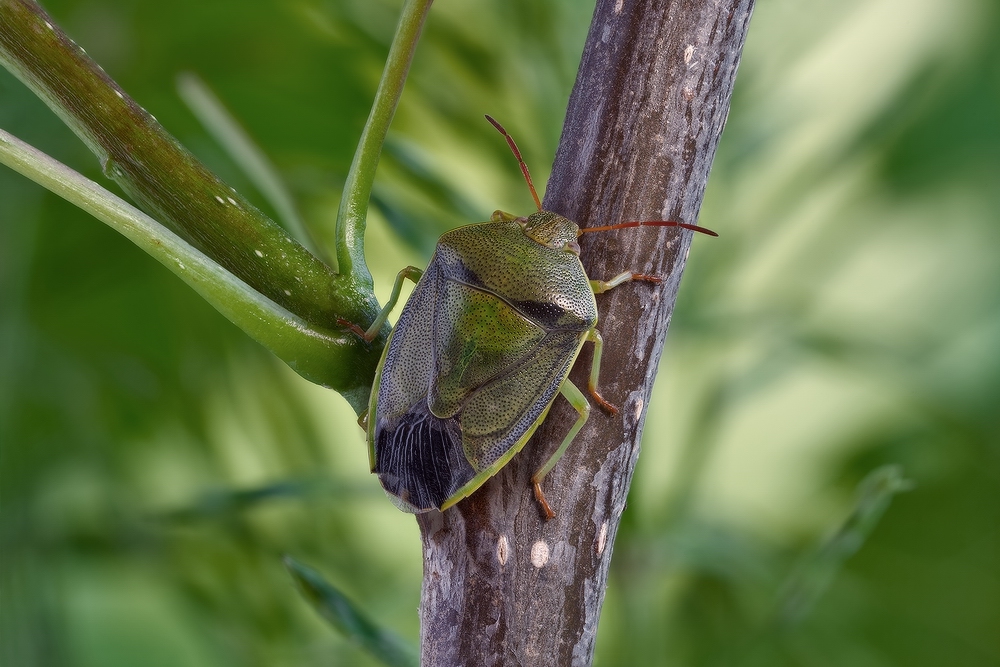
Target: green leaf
353	212
344	615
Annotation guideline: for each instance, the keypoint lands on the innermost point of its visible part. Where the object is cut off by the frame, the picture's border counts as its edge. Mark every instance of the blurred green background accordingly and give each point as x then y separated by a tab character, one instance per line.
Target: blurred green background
156	464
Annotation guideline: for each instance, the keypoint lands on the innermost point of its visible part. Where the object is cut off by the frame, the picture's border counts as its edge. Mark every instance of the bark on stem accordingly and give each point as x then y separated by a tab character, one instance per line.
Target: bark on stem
501	585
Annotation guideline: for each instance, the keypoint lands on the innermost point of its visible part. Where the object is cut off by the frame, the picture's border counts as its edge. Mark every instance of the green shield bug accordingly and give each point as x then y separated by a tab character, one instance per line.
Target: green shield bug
481	348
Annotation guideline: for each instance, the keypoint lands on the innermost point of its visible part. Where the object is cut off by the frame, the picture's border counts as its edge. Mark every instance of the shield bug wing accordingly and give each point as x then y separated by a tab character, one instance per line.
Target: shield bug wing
477	336
417	455
499	417
419	459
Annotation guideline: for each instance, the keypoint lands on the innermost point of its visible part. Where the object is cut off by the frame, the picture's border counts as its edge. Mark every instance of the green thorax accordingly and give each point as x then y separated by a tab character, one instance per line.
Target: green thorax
531	263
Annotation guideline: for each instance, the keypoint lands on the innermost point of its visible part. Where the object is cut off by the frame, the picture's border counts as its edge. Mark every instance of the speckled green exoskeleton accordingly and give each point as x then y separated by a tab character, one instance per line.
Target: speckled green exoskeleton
481	349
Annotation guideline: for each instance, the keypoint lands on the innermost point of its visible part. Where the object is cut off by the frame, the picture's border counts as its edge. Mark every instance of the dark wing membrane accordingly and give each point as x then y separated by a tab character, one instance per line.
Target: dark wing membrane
419	459
497	415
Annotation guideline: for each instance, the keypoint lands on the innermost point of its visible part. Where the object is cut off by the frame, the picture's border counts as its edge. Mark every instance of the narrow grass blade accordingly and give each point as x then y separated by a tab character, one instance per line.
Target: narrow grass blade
808	583
249	157
222	503
348	619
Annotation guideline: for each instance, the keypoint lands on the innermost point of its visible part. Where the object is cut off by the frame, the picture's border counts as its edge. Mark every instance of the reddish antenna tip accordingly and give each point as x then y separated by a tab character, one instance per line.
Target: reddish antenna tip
496	124
517	154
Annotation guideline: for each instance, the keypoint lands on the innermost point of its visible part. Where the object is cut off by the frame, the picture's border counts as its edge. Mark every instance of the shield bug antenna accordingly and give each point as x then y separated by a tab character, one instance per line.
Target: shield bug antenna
648	223
605	228
517	154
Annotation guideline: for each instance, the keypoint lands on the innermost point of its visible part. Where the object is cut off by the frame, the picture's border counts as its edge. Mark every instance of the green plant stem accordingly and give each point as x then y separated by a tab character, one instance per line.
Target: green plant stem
266	278
166	180
357	190
332	358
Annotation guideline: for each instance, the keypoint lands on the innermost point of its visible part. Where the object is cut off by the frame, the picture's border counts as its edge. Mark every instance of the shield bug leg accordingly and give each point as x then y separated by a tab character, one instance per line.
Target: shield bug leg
503	216
602	286
411	272
580	404
594	336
